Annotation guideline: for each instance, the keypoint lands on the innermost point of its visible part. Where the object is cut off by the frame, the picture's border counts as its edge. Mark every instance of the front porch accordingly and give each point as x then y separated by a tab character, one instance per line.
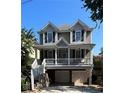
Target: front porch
66	56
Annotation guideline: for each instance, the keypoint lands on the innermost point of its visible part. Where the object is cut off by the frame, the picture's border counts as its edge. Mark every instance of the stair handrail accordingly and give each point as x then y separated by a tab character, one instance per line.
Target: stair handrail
44	65
34	64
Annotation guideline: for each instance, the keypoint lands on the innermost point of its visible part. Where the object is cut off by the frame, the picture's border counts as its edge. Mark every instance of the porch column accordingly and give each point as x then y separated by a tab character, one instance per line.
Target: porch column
56	37
90	76
68	56
43	38
56	56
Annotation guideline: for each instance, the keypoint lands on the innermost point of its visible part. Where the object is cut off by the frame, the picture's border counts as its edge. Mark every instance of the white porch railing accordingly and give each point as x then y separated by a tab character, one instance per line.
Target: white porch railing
33	75
36	70
35	64
68	61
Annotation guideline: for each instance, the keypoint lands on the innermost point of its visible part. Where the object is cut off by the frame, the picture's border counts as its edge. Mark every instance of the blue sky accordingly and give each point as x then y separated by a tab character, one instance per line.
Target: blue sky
37	13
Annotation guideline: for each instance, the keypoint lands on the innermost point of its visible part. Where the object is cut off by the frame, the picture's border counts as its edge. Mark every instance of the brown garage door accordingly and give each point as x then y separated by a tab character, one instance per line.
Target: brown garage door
62	76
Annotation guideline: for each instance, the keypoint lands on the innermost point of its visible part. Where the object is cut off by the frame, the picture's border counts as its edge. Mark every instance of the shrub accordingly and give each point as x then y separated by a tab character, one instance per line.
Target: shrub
25	85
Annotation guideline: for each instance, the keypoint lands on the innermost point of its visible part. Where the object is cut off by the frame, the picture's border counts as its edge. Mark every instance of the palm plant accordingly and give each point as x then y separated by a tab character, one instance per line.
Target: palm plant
27	41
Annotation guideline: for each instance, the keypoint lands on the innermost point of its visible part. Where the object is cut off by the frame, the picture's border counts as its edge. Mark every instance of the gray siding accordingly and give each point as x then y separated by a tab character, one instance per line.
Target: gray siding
88	37
66	36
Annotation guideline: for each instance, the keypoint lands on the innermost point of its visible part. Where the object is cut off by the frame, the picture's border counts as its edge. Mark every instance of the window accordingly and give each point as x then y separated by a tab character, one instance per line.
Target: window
78	35
49	37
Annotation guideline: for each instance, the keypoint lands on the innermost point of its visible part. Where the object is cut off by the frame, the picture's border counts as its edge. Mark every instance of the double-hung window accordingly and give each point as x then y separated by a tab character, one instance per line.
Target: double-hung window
78	35
49	37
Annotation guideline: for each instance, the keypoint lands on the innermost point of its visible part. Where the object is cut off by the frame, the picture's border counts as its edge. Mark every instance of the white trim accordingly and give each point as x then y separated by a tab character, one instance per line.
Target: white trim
56	36
82	24
62	38
43	38
71	37
49	23
56	55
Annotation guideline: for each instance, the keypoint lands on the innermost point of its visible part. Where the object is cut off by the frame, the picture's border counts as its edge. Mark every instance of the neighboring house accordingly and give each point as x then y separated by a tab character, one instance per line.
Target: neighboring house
65	54
35	54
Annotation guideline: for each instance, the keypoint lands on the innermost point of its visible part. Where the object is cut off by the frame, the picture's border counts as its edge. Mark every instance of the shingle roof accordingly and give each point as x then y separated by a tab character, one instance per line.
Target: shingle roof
64	27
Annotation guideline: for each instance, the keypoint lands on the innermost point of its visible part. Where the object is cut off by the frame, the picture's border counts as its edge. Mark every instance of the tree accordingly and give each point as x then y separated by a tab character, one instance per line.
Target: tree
96	9
101	51
98	68
27	41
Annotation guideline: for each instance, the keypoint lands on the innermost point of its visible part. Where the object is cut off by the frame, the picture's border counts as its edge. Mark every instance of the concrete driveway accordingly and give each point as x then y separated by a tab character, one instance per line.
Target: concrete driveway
64	89
69	89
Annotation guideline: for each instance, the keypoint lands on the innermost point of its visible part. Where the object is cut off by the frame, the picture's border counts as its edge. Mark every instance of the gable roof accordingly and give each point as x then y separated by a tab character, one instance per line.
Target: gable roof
64	27
49	24
82	24
62	43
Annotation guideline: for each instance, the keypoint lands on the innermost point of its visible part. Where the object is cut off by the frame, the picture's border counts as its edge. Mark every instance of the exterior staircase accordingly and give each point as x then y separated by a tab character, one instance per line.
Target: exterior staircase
38	75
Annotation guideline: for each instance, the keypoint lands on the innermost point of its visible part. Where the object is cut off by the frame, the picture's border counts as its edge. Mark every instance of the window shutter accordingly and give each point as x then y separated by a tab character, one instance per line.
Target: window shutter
73	38
73	53
53	36
45	37
82	53
82	35
45	53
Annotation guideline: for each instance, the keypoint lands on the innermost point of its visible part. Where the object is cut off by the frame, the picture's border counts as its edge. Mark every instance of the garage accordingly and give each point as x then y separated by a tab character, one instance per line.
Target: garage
79	77
62	77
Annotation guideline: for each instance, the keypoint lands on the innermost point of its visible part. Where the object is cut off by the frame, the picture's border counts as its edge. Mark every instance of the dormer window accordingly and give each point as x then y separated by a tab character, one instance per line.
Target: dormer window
78	35
49	37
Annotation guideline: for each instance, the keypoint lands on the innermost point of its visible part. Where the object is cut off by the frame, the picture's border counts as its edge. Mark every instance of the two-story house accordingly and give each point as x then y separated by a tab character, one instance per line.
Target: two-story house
65	53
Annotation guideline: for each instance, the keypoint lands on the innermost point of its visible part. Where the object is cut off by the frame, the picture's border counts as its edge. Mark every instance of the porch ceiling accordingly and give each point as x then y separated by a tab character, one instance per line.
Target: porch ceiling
82	46
45	46
69	67
71	46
